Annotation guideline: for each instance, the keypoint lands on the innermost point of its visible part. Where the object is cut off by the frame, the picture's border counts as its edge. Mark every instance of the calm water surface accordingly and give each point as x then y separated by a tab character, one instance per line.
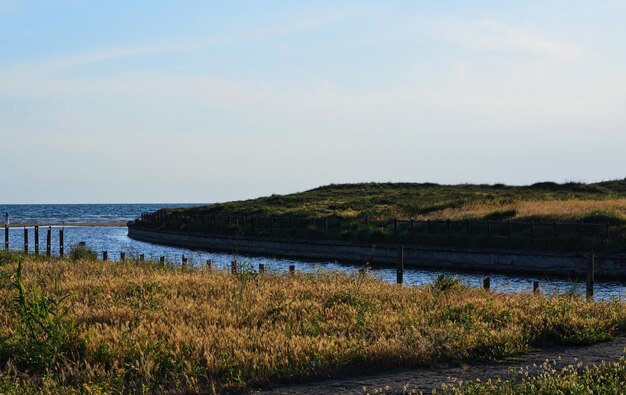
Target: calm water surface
115	240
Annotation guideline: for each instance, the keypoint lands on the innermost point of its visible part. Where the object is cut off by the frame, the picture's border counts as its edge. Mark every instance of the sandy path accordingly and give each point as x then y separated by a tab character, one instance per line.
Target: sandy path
428	379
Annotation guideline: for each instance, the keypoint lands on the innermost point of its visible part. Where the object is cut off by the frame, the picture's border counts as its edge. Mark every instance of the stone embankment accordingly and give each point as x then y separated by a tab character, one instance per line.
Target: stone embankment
485	261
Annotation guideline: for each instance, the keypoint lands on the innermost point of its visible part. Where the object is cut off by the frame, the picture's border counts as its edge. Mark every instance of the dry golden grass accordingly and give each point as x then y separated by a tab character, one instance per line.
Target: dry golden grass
149	328
564	210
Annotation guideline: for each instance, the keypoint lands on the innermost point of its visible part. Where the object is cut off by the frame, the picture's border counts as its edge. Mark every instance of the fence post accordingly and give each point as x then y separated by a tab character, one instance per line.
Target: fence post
487	282
141	258
36	240
208	265
49	241
536	286
590	275
61	242
162	260
122	256
292	269
400	265
184	263
261	268
25	240
105	256
233	266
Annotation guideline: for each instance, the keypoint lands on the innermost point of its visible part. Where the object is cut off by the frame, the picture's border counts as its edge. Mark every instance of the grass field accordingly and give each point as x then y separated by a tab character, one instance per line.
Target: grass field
102	327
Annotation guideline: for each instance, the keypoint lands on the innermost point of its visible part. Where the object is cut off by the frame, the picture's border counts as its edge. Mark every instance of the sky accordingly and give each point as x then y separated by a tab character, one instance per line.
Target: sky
207	101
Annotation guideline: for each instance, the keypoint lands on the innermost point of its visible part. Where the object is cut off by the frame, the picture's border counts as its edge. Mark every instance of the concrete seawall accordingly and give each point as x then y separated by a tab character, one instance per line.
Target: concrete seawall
571	265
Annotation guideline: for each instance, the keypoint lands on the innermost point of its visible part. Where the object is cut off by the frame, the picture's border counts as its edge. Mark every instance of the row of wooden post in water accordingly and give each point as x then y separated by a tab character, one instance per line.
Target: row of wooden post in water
590	267
589	272
36	241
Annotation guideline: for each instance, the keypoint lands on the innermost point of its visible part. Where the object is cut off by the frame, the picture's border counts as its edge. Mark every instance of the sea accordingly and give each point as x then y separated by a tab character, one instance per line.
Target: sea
115	240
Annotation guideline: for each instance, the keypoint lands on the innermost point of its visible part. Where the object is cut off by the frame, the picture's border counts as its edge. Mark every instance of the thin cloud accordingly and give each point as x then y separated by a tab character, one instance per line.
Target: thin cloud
495	36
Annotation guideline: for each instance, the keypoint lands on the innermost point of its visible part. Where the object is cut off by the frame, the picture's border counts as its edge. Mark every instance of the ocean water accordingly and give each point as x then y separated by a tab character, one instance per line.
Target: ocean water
78	213
115	240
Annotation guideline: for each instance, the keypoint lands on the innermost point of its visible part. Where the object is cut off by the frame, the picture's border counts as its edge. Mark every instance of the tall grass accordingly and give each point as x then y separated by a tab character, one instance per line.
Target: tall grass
140	327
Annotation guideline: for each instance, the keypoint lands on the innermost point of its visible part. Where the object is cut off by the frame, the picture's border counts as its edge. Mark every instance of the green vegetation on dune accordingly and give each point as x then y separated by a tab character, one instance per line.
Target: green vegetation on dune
427	200
362	213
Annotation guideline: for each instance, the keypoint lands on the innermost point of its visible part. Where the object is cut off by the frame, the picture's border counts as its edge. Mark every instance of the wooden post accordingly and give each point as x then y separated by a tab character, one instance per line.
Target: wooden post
208	265
261	268
535	286
141	258
162	260
233	266
400	265
487	282
184	263
25	240
36	240
122	256
105	256
292	269
6	237
49	241
590	275
61	242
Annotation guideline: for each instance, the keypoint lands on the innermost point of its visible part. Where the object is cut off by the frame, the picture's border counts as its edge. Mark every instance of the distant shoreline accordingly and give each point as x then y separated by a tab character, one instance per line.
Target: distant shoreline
67	224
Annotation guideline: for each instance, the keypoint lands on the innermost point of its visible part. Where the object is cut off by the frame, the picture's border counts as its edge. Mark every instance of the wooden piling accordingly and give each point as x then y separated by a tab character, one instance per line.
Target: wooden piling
261	268
36	240
400	265
162	261
487	282
184	264
122	256
208	265
6	237
105	256
535	286
141	258
25	240
61	242
292	269
233	266
590	275
49	241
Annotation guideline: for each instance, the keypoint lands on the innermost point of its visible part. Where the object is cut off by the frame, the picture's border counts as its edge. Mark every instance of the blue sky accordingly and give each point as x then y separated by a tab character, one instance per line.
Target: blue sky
199	101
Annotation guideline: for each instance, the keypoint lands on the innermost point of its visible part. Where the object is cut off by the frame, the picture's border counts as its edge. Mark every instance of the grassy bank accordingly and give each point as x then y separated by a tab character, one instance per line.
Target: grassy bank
605	201
138	327
366	212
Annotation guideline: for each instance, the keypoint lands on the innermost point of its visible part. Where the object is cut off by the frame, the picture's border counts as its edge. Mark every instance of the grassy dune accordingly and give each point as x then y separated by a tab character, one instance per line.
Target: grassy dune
101	327
381	201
